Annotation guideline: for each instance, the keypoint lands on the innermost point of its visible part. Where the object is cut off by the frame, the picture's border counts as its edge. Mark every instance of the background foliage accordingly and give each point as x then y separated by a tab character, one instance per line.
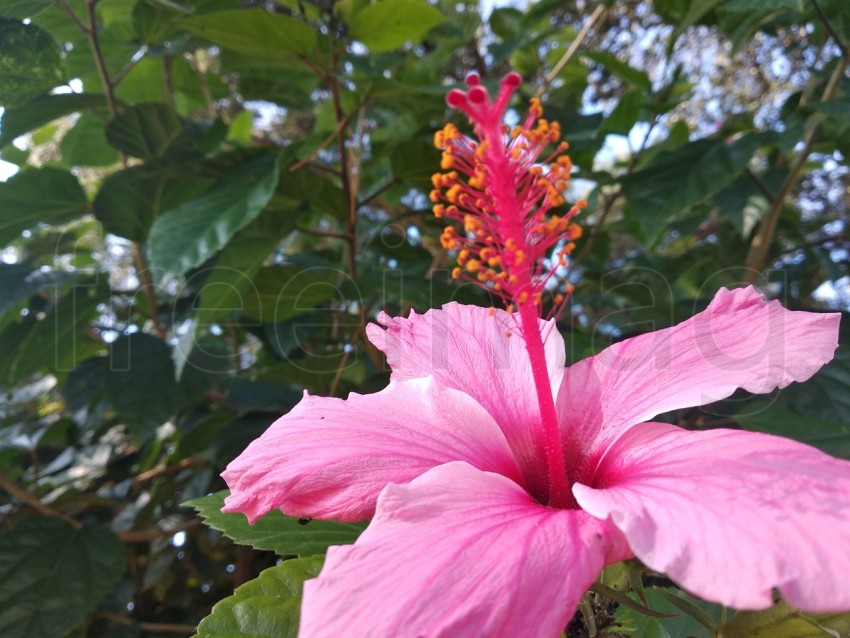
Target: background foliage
213	197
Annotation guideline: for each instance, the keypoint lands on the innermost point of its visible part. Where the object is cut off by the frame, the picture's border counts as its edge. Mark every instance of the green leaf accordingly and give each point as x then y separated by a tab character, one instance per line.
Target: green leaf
266	607
762	6
186	236
19	281
676	624
130	200
29	62
39	195
282	292
58	340
154	21
230	281
825	396
151	131
637	78
254	32
388	24
783	621
86	144
22	119
142	383
677	180
52	575
275	532
762	415
625	115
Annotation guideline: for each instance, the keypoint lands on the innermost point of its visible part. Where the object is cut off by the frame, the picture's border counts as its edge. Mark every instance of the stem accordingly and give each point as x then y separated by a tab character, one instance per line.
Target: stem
573	48
559	489
25	497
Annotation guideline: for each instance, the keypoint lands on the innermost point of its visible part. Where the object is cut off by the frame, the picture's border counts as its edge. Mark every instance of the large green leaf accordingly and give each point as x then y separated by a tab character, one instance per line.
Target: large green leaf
151	131
637	78
86	144
676	624
762	415
275	532
677	180
29	62
230	281
282	292
191	233
783	621
388	24
52	575
130	200
58	340
39	195
266	607
19	281
25	118
826	396
142	382
254	32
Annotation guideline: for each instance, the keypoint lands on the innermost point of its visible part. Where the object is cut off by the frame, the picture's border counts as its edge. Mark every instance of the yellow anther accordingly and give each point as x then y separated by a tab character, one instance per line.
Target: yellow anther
473	265
522	298
494	261
439	211
471	223
537	299
519	257
559	298
453	194
434	196
455	273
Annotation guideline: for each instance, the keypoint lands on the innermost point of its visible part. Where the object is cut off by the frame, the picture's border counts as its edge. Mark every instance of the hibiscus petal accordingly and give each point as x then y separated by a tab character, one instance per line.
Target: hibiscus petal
478	351
459	552
739	341
330	458
730	514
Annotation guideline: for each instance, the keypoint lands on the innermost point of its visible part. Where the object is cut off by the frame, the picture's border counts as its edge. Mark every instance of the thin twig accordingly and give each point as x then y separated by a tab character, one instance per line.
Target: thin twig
345	170
156	472
99	61
71	14
147	288
828	25
153	627
148	535
324	144
595	17
122	73
25	497
760	245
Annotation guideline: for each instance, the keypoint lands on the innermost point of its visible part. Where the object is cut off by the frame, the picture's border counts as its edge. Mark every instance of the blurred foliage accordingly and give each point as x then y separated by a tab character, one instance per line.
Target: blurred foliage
214	196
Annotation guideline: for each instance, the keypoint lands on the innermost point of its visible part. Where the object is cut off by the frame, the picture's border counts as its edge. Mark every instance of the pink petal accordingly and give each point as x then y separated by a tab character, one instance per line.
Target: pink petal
730	514
739	341
478	351
330	458
459	552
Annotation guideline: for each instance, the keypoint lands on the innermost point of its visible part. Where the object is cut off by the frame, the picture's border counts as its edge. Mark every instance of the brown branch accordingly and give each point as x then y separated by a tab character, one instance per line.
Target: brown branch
144	477
97	53
345	169
147	288
31	500
153	627
148	535
828	25
341	124
760	245
595	17
71	14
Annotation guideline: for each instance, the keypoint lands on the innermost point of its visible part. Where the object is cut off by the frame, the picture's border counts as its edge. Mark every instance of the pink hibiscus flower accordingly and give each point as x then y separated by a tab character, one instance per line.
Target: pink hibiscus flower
501	482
